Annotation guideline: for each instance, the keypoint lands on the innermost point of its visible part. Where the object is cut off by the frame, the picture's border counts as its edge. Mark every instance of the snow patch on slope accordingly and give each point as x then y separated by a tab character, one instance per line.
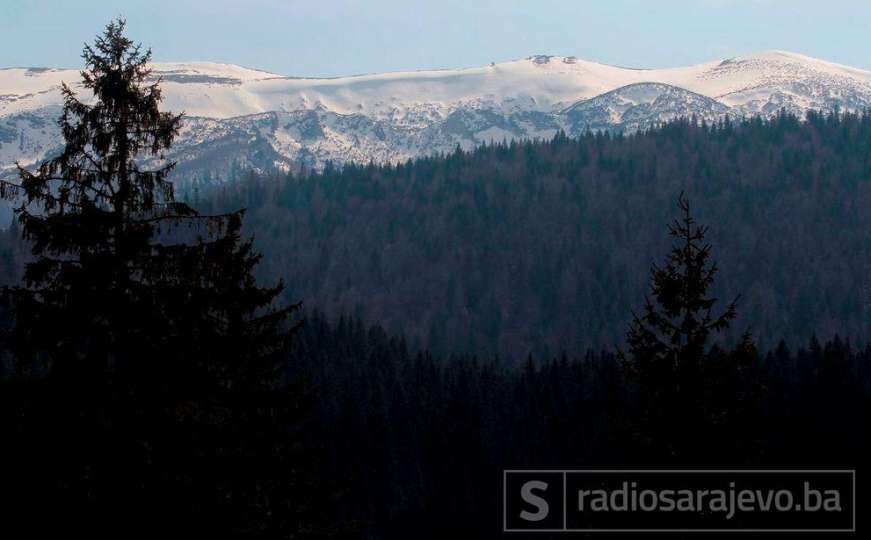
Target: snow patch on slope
262	119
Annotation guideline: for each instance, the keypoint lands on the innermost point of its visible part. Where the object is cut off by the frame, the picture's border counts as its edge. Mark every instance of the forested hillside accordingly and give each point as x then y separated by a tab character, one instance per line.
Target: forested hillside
546	246
412	442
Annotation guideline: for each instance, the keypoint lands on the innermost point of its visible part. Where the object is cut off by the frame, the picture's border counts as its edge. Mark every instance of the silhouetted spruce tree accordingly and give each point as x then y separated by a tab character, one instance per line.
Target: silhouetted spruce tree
149	360
668	348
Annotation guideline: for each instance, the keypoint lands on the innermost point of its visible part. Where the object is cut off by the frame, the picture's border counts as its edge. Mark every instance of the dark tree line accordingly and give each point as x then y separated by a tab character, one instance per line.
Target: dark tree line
416	443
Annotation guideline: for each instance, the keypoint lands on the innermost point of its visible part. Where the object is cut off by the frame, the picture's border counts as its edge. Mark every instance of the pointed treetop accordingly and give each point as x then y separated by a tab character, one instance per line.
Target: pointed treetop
680	317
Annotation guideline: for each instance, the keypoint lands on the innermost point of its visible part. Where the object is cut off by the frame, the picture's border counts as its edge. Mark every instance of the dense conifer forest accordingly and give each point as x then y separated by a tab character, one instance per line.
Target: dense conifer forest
546	304
545	246
413	442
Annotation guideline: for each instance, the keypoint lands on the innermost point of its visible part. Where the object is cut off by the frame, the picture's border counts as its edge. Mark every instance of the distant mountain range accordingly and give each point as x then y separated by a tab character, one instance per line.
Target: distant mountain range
251	118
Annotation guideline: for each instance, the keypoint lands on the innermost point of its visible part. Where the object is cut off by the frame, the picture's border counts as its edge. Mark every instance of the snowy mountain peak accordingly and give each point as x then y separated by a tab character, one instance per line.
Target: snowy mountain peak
167	70
263	119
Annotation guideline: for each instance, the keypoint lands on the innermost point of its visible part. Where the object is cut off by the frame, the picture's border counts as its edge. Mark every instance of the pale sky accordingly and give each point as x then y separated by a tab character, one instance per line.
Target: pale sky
343	37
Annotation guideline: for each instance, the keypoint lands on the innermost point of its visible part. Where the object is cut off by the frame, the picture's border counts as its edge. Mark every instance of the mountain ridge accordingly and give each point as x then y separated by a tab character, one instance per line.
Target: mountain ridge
395	116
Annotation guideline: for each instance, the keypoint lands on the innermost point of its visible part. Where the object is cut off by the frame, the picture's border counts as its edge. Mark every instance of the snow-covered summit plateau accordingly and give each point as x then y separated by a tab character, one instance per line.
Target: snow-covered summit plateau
256	118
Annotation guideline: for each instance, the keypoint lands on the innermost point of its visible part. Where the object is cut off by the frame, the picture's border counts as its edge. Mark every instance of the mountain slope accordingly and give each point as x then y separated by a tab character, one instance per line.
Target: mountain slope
639	106
263	120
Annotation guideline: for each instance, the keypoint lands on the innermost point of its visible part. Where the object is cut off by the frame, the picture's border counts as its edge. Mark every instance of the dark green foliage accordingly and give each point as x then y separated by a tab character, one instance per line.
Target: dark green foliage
670	362
145	379
677	326
533	246
417	443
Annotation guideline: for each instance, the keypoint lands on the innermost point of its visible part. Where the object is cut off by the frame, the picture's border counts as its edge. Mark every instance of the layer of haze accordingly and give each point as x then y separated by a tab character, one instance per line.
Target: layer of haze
342	37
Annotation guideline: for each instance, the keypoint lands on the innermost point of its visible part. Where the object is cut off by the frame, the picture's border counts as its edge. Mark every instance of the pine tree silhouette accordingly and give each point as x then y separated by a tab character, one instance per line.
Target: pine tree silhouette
668	344
140	331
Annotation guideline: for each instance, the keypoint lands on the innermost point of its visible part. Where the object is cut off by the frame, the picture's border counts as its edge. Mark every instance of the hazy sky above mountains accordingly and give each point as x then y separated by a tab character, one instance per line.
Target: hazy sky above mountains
342	37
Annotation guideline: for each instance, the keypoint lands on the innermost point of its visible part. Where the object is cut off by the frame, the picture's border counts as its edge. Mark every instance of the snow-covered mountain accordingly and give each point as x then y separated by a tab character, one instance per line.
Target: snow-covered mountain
260	119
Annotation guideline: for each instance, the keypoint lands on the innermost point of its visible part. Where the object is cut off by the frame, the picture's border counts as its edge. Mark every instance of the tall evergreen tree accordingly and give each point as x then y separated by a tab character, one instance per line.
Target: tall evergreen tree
145	349
668	345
